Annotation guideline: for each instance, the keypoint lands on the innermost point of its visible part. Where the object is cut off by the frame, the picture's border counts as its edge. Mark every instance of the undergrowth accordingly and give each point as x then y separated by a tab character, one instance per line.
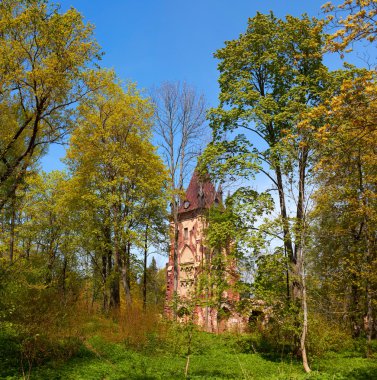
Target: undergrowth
142	345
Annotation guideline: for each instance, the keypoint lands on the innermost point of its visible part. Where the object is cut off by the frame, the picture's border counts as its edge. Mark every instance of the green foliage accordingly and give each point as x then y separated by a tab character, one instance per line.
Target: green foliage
45	68
233	236
229	159
215	356
270	280
36	323
327	336
118	183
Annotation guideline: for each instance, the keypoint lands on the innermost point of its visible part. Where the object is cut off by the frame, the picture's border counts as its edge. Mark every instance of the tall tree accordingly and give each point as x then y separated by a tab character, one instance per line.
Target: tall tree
44	70
346	170
155	235
346	201
118	173
269	77
179	125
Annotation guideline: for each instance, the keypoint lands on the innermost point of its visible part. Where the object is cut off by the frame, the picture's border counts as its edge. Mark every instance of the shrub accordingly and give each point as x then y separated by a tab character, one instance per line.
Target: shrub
327	336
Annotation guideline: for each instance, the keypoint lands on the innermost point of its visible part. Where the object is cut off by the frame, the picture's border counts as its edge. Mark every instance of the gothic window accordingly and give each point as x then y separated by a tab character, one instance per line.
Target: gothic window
185	233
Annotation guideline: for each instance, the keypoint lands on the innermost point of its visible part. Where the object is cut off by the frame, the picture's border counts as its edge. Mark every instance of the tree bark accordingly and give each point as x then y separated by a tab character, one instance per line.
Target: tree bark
305	312
292	289
125	273
145	268
115	293
300	254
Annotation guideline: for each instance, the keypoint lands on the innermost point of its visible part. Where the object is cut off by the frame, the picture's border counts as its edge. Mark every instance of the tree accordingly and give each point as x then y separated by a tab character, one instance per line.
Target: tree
179	120
346	201
44	69
346	145
155	234
355	20
156	285
47	224
117	175
269	77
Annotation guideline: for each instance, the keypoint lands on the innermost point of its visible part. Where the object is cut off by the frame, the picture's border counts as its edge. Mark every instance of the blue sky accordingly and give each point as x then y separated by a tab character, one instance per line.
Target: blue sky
151	41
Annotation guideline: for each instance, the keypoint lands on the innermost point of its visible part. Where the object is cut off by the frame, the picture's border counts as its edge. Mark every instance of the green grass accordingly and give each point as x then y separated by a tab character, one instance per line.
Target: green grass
214	357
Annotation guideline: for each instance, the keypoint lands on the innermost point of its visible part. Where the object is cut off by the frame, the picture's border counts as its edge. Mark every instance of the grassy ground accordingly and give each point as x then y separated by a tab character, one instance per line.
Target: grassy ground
214	357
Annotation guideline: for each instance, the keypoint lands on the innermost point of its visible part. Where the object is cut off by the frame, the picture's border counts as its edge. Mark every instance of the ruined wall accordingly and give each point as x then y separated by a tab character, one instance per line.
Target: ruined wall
190	257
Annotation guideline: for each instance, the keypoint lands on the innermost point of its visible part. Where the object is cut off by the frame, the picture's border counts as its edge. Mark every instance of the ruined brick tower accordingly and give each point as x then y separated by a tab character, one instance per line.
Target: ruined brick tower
192	254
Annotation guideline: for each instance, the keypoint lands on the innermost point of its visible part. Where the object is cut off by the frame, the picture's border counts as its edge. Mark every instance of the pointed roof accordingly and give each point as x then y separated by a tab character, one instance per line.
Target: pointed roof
199	194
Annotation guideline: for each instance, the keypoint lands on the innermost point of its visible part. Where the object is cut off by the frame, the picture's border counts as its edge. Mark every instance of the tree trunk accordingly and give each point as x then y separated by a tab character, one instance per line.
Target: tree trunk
114	290
145	268
368	257
125	273
292	288
115	293
283	211
113	259
354	307
104	281
300	254
305	313
12	223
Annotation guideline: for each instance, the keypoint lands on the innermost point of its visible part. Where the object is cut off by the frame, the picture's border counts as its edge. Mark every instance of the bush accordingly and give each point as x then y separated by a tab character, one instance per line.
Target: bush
282	336
325	336
38	322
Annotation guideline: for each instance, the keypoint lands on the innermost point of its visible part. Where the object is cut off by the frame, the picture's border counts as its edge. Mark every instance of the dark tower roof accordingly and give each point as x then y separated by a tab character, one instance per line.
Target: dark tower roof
199	194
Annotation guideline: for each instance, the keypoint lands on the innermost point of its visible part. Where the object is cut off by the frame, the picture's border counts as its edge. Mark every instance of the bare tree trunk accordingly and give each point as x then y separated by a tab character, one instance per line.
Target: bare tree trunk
112	270
283	211
301	230
190	332
115	293
145	268
125	272
305	313
288	246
